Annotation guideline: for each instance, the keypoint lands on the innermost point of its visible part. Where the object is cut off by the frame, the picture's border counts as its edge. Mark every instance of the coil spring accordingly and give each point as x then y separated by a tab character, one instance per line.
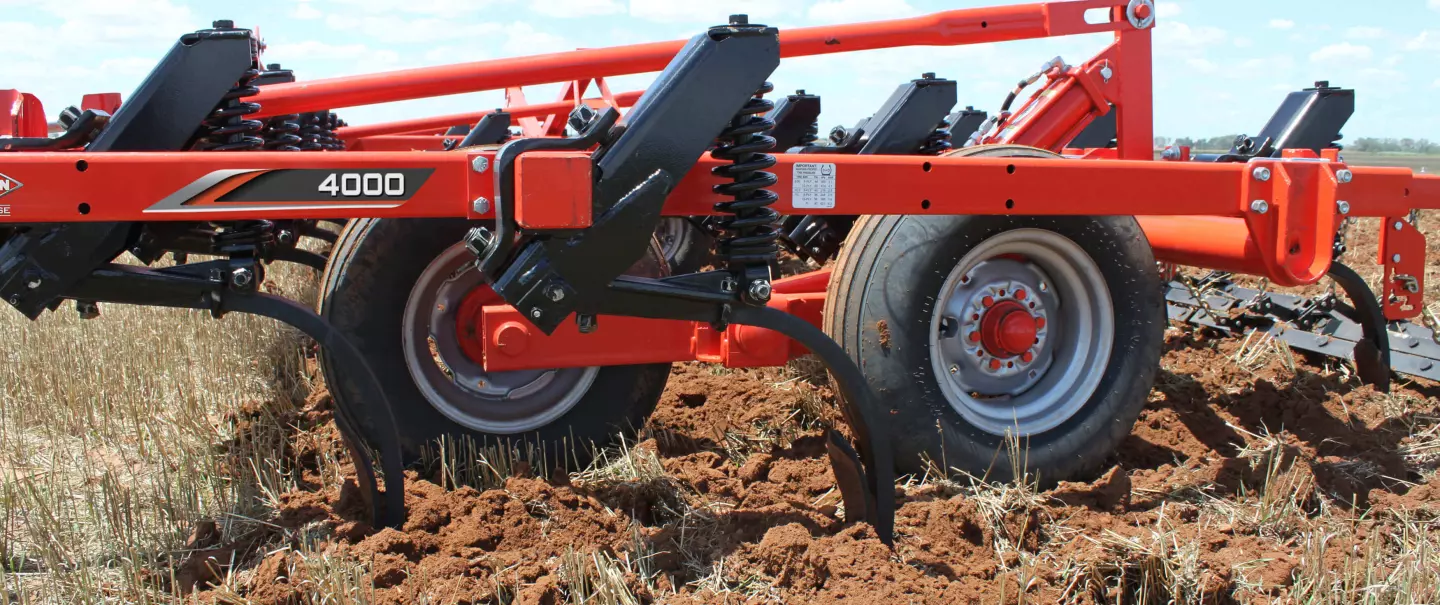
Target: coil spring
281	133
317	132
312	132
939	141
226	129
811	134
748	223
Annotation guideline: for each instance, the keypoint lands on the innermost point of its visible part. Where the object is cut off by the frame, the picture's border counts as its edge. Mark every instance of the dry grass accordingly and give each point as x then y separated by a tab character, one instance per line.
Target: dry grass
108	441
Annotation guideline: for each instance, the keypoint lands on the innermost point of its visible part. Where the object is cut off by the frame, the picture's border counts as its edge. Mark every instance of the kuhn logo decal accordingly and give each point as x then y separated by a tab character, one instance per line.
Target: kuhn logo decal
8	184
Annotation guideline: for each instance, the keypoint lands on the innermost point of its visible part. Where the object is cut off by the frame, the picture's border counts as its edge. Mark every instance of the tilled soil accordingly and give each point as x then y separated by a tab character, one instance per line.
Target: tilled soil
762	523
1219	495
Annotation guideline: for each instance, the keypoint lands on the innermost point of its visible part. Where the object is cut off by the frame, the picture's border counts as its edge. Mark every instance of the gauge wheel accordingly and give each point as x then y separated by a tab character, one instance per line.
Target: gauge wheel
990	332
406	292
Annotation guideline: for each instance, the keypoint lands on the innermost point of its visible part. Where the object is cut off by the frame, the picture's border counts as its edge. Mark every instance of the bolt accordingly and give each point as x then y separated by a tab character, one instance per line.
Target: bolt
1261	174
34	283
759	290
1344	176
727	285
1259	206
954	369
285	236
480	205
554	292
586	323
536	312
480	164
1395	258
1399	225
14	299
242	277
1343	206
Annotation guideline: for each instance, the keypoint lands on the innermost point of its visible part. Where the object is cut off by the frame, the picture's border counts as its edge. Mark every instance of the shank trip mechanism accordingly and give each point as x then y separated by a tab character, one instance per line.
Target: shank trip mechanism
706	99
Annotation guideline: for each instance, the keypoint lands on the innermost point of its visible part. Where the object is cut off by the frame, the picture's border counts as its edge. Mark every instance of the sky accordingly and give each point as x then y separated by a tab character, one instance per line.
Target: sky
1221	66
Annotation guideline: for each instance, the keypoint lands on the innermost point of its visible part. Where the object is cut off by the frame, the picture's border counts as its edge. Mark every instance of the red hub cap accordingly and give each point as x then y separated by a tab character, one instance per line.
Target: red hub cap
1007	329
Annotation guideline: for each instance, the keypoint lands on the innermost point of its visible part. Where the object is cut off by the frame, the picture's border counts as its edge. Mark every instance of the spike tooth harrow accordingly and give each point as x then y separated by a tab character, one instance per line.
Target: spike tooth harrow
1012	240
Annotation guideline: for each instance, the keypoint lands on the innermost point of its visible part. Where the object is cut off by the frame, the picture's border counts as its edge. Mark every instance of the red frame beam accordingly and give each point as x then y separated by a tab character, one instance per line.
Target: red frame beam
950	28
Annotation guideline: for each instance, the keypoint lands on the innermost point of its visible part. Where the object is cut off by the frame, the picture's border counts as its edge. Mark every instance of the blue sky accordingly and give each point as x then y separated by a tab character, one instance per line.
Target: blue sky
1221	66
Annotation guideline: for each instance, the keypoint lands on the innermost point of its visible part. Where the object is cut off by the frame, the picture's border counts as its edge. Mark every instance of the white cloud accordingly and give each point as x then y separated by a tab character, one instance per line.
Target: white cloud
1281	24
1166	10
393	29
356	57
439	8
1176	35
1434	5
1365	33
1204	66
1437	82
1243	42
1423	42
305	10
524	39
848	11
577	8
1342	53
768	12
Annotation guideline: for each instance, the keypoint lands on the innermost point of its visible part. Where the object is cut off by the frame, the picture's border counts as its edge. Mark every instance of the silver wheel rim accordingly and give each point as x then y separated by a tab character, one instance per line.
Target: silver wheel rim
671	232
501	403
1059	285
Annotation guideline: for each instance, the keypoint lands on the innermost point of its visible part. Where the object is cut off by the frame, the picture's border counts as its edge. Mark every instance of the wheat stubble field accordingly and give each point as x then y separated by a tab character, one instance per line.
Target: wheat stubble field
153	456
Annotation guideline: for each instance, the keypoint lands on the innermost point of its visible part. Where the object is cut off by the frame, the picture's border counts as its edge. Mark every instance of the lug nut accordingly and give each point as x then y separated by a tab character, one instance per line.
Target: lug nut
480	205
1261	174
1259	206
760	290
242	277
1343	206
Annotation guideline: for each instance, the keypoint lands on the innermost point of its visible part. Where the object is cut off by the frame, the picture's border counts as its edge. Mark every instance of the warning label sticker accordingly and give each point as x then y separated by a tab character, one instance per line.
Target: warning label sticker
814	186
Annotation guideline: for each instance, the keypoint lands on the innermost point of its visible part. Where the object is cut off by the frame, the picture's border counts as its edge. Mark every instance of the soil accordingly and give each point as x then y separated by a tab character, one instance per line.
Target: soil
750	514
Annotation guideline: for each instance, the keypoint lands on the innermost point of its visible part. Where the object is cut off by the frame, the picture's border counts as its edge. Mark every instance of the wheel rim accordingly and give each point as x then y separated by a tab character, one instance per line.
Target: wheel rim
671	233
447	373
1022	333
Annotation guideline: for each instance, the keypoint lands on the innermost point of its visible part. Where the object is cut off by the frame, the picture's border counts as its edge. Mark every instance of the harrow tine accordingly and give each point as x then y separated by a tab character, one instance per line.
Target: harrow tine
1322	325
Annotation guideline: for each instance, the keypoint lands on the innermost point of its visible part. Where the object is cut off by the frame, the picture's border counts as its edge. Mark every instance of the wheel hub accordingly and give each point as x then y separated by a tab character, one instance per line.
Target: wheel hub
1007	330
1022	332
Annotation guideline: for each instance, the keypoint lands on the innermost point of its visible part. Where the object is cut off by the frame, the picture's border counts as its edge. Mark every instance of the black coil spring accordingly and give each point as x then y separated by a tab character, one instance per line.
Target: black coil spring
312	131
282	133
811	134
226	129
317	132
939	141
749	225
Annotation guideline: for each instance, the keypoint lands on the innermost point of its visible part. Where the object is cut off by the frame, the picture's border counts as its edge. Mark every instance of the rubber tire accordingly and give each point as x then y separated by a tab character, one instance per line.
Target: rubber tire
375	264
890	272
